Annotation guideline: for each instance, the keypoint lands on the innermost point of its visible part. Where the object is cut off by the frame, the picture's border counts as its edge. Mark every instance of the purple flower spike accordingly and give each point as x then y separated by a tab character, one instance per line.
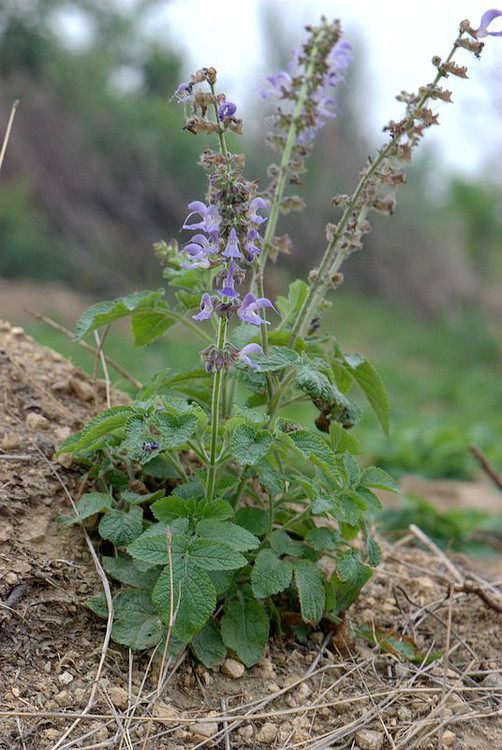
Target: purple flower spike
486	20
226	109
247	310
229	289
206	308
255	206
232	248
246	350
281	85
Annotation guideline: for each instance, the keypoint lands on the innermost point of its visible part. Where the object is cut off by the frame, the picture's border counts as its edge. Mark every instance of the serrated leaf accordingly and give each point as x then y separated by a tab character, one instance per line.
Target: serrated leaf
166	509
372	385
342	440
309	582
231	533
373	551
309	443
254	520
277	358
106	312
270	575
121	527
269	477
134	498
369	497
350	569
283	544
124	569
193	597
375	477
248	445
220	510
89	504
151	546
212	555
322	538
314	383
106	422
208	645
136	623
176	430
149	321
244	628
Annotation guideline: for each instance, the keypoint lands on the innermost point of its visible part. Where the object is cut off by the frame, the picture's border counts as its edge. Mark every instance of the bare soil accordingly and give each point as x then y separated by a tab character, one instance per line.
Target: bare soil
328	691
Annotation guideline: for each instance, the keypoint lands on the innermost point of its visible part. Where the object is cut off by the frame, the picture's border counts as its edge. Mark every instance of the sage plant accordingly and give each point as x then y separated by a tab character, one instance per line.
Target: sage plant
227	519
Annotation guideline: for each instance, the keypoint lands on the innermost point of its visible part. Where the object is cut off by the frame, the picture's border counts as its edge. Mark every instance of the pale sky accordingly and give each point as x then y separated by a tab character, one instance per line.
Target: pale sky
396	40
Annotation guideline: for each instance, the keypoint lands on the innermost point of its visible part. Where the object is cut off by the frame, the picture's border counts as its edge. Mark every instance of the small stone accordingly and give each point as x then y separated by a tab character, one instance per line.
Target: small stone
5	531
119	697
47	667
83	390
65	460
267	733
404	713
65	678
61	433
302	693
15	692
246	732
273	688
233	668
165	711
448	738
11	579
63	698
35	531
36	421
99	731
11	442
369	739
203	729
493	680
17	331
52	734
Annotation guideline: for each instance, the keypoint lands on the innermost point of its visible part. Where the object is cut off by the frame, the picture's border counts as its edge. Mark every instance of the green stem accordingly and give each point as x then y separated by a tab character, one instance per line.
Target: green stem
334	255
215	414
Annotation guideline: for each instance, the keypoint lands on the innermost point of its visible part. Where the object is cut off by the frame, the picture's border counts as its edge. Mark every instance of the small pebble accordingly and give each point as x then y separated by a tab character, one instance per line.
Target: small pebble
83	390
233	668
267	733
369	739
65	678
36	421
448	738
119	697
203	729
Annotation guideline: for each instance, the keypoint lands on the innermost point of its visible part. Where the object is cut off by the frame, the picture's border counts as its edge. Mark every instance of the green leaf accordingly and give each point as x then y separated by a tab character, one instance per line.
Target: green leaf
277	358
193	597
244	628
254	520
371	383
103	313
135	622
151	546
233	535
102	424
208	645
168	508
121	527
248	445
215	555
322	538
89	504
176	430
373	551
283	544
290	306
149	321
369	497
220	510
342	440
350	569
375	477
309	582
315	383
124	569
309	443
269	477
270	575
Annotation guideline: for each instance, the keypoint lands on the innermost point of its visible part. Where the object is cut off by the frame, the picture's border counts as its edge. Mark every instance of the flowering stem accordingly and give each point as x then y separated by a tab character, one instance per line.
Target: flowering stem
215	413
335	252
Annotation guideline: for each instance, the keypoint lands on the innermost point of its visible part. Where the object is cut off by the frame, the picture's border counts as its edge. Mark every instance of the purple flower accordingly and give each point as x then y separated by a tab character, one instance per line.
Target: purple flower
340	56
252	238
184	93
486	20
281	85
232	248
206	308
199	249
255	206
250	303
211	218
226	109
228	288
322	107
246	350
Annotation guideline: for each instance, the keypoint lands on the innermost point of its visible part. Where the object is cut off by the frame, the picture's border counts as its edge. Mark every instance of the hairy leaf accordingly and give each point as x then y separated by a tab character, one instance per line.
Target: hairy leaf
121	527
270	575
222	531
309	581
244	628
248	445
371	383
208	645
89	504
103	313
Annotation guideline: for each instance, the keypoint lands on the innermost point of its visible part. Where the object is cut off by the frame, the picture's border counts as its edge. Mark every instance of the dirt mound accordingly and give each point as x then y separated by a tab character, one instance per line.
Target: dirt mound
63	686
